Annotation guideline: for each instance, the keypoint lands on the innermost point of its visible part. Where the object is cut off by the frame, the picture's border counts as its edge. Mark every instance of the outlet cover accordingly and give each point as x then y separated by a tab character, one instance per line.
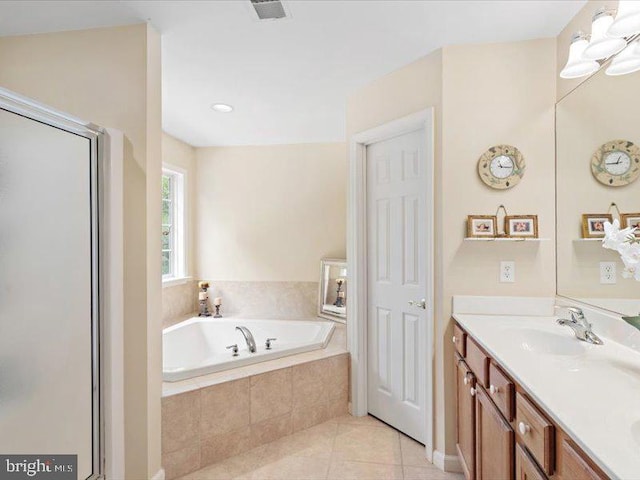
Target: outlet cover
507	272
608	273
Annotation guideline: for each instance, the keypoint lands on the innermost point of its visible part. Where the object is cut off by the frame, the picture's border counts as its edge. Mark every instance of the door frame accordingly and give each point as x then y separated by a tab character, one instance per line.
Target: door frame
357	258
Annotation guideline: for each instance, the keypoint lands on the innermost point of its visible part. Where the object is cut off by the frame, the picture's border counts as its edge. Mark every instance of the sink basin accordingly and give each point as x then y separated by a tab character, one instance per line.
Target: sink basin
547	343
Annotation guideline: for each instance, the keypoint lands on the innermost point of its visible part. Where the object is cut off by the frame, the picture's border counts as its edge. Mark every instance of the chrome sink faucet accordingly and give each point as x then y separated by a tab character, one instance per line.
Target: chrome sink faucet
248	337
580	326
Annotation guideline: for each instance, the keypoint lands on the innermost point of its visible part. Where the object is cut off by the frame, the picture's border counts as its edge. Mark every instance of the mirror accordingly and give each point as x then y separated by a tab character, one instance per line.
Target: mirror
332	302
597	135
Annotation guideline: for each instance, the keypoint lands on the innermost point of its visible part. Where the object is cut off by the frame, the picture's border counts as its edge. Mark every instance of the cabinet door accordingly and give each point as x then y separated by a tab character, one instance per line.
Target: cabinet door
466	418
526	468
494	441
574	465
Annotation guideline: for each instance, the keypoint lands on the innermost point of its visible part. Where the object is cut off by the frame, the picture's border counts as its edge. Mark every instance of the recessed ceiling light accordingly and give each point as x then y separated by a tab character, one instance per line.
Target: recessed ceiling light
222	108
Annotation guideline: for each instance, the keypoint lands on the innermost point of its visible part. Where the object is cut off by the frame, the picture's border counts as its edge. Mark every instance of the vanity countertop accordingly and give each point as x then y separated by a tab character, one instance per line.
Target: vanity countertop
591	391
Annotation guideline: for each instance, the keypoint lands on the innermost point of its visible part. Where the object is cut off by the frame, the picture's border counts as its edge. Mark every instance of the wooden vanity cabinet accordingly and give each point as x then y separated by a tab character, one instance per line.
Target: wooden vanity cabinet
466	415
501	432
572	463
494	441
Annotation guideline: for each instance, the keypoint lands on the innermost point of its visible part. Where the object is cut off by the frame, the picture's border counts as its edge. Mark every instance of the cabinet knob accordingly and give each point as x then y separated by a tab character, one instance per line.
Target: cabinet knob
524	428
472	391
466	381
493	389
454	339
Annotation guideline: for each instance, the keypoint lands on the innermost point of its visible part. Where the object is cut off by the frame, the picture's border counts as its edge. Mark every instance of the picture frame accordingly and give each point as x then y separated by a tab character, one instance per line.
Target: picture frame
521	226
482	226
593	224
631	220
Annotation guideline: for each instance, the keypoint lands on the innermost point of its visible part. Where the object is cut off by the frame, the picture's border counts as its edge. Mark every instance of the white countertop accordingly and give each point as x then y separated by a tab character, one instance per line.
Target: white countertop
593	393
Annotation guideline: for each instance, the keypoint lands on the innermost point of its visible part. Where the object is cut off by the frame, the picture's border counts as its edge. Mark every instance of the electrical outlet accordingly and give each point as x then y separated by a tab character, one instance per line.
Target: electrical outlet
608	273
507	272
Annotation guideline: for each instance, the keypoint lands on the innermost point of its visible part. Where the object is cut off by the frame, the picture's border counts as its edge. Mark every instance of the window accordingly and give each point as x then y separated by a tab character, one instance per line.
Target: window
173	224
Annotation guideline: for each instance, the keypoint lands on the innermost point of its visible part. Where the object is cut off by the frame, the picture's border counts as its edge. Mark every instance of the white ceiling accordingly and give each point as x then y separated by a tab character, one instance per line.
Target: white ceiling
289	79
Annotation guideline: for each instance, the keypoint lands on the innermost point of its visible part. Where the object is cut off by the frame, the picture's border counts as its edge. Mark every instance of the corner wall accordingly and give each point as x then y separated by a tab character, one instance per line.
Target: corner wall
493	94
111	76
483	95
270	213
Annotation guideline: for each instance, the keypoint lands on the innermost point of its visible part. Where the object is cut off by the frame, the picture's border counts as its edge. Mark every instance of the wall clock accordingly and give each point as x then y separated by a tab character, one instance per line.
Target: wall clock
616	163
501	167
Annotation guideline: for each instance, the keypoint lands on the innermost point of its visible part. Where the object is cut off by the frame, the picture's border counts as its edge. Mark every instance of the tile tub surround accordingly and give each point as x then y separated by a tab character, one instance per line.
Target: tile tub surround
281	300
178	302
343	448
206	425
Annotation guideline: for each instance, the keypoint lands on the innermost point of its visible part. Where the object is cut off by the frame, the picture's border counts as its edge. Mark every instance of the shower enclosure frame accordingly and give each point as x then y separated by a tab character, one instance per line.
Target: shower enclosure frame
98	150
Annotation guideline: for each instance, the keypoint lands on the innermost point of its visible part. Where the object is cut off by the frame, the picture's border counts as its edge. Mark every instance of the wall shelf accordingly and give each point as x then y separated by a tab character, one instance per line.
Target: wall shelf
507	239
580	240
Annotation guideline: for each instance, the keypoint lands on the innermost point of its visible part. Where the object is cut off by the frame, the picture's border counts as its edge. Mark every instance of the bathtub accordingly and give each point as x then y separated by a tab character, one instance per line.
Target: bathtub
198	346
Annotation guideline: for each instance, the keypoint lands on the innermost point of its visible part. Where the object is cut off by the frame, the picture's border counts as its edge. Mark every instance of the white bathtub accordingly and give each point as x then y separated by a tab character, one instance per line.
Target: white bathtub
198	346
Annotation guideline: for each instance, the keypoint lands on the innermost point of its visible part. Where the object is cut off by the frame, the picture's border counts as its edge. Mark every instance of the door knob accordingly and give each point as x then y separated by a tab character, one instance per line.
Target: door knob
421	304
493	389
524	428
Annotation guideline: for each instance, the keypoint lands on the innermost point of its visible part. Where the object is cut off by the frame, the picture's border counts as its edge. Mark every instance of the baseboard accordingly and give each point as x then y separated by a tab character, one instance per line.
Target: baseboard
159	475
447	463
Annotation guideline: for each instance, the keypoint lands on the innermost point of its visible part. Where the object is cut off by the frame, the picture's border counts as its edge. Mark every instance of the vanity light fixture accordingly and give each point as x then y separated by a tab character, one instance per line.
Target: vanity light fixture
222	108
627	62
601	44
627	21
610	38
577	65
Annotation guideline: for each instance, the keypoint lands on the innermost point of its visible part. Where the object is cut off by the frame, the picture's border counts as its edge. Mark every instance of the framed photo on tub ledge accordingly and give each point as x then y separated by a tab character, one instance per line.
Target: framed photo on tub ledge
332	298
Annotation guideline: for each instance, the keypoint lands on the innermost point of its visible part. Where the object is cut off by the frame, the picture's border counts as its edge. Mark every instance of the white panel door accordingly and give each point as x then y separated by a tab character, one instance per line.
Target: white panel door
397	282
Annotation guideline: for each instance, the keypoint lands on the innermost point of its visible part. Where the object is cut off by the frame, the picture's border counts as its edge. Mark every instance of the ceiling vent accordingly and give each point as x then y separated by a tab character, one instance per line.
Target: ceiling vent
269	9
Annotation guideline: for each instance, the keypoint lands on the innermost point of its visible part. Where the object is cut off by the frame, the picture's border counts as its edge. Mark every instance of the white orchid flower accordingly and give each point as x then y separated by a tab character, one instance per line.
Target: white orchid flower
623	241
614	238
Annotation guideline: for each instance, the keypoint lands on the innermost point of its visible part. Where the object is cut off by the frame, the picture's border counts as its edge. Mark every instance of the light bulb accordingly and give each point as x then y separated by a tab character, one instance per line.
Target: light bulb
577	66
628	61
601	46
627	21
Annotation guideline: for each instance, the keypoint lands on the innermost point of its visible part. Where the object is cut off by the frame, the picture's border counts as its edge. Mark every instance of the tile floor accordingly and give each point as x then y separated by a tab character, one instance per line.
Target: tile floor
345	448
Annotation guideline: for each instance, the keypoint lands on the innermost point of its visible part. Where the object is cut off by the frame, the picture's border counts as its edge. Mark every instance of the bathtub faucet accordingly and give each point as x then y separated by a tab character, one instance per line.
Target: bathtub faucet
251	343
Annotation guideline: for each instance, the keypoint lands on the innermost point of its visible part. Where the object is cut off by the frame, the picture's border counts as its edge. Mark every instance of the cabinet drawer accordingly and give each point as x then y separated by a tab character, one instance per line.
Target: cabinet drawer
501	390
526	468
478	362
460	340
573	464
535	432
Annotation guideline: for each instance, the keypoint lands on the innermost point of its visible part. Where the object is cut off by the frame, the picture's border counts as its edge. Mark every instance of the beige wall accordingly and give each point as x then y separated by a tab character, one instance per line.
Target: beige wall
177	153
581	21
483	95
269	213
111	77
494	94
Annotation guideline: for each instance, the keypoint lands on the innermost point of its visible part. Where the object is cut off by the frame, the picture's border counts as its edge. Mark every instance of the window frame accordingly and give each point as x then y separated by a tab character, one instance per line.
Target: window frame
178	223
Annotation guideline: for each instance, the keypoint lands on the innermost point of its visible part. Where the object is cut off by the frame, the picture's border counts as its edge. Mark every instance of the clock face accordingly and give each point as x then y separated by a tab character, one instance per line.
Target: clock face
502	166
617	162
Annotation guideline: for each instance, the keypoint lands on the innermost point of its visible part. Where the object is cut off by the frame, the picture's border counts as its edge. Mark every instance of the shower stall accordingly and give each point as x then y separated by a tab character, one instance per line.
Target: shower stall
53	289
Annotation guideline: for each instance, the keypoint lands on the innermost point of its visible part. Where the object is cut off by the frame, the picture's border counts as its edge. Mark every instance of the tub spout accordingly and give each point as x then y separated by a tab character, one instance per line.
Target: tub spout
248	337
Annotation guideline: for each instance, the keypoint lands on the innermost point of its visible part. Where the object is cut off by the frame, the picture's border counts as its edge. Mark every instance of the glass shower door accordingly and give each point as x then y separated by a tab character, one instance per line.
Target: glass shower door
49	390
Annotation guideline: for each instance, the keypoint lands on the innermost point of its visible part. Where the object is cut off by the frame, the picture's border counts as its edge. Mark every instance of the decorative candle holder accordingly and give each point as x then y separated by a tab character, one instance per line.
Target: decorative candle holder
202	298
217	303
339	298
